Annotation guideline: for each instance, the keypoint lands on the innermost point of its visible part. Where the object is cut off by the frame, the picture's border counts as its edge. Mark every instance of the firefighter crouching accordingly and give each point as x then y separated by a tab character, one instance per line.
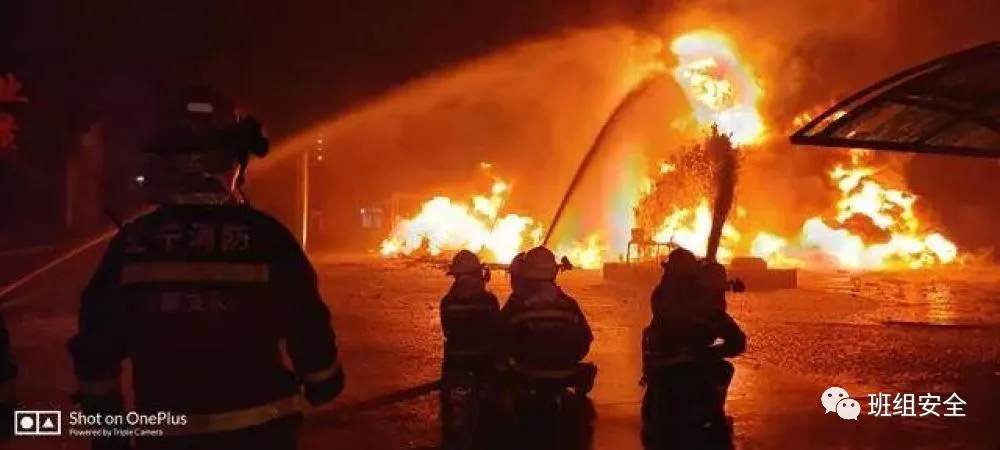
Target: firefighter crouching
470	321
547	335
200	294
470	317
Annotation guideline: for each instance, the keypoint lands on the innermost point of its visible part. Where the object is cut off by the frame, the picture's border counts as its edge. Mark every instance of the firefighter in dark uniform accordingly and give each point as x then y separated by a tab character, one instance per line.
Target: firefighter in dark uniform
8	370
679	282
470	314
713	281
677	290
684	365
201	294
546	333
470	322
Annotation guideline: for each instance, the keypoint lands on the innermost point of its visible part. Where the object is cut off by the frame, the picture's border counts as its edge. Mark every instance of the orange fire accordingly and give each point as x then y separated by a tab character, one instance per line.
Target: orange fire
889	211
872	226
802	119
588	254
447	226
689	228
722	91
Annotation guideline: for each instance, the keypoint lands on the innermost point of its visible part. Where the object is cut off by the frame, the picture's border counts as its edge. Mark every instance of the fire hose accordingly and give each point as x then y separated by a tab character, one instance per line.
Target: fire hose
634	95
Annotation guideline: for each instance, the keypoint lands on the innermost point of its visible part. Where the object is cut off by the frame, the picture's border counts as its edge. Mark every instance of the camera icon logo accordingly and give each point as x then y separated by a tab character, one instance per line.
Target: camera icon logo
37	423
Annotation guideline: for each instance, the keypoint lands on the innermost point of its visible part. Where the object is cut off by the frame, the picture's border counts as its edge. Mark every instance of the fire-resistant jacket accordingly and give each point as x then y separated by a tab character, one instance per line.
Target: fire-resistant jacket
546	332
470	321
200	298
687	320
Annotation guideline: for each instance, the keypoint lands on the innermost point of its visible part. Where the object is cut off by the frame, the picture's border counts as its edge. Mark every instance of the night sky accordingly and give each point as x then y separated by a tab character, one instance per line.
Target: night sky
295	60
291	61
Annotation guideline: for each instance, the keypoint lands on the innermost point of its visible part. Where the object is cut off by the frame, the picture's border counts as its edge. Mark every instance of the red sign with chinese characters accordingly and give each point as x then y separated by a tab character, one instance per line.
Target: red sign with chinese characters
10	92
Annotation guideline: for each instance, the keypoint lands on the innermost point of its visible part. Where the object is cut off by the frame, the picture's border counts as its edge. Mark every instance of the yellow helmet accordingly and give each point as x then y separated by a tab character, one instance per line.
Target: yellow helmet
712	275
465	263
539	264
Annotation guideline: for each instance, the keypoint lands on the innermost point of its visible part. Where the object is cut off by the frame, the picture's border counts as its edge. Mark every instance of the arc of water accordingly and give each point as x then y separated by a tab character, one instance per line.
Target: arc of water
602	136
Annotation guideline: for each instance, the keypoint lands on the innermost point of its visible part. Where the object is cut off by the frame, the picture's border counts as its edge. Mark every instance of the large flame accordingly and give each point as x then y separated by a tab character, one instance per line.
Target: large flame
690	227
889	211
443	225
872	226
721	90
893	237
588	254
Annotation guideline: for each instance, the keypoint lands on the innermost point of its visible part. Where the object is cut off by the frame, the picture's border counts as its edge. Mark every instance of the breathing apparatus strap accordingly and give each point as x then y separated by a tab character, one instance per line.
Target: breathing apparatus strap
241	178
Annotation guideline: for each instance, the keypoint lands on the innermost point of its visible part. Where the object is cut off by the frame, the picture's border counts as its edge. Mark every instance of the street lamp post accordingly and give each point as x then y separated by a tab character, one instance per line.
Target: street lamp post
304	197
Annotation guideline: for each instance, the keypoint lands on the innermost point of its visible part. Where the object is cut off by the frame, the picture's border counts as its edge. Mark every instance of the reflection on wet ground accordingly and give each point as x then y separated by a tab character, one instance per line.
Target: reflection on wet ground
870	333
931	298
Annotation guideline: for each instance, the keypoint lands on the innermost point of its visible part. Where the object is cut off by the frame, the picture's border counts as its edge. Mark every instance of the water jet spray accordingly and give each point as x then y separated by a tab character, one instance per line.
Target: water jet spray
719	150
633	96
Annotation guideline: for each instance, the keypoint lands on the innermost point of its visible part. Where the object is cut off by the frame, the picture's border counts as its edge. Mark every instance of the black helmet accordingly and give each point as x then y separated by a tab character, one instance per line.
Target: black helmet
681	262
198	133
539	264
465	263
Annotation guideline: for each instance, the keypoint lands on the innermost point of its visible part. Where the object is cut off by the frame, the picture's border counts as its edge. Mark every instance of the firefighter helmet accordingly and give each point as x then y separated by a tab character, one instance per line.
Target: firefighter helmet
465	263
681	262
198	135
712	275
539	264
201	130
516	265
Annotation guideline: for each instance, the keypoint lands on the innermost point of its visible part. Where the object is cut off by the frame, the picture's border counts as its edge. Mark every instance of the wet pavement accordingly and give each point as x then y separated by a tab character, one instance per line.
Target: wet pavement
929	332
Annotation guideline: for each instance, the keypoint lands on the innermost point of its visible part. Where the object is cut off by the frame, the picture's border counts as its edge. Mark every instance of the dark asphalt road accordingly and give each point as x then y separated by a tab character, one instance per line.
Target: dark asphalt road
907	333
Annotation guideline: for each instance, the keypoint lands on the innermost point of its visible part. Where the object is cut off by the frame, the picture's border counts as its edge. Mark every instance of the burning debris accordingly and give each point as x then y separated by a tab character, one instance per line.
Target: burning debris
444	226
870	227
875	226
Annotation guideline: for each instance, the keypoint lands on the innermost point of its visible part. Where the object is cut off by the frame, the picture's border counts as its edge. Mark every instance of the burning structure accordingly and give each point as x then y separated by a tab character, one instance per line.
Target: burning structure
873	222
